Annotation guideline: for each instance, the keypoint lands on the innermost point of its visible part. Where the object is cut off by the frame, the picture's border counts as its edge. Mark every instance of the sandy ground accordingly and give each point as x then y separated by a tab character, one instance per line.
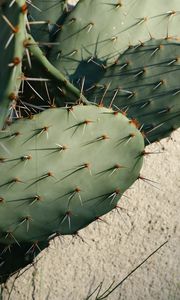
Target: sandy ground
73	267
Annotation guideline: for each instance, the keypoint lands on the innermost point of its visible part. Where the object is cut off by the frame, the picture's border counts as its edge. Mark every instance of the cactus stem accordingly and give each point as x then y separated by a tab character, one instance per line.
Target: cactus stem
16	61
57	75
24	8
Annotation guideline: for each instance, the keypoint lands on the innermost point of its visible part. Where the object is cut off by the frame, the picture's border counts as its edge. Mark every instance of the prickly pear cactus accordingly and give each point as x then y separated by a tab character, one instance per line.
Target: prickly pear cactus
101	40
144	82
45	18
12	37
60	171
128	64
45	86
65	168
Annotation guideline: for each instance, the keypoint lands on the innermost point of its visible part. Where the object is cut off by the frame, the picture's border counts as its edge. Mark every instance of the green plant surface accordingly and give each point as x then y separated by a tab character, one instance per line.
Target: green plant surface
43	84
99	31
13	34
66	168
144	83
45	18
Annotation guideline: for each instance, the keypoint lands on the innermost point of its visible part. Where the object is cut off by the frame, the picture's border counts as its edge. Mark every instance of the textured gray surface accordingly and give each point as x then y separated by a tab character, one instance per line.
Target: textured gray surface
70	268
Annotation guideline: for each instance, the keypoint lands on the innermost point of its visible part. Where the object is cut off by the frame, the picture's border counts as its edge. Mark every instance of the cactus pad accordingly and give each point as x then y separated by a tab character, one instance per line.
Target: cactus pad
144	82
65	168
108	28
44	17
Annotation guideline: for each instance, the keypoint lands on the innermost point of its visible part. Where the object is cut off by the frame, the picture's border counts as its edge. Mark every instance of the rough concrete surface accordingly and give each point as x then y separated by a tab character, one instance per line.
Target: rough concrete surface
149	215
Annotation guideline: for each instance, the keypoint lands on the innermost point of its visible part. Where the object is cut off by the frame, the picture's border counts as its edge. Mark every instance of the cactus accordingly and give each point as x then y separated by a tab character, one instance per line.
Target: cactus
144	82
103	39
46	82
13	34
44	19
66	167
85	146
110	77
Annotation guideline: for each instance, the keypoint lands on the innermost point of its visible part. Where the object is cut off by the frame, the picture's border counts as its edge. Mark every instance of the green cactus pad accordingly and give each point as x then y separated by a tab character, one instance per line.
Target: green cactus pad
65	169
44	17
12	36
144	82
99	31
